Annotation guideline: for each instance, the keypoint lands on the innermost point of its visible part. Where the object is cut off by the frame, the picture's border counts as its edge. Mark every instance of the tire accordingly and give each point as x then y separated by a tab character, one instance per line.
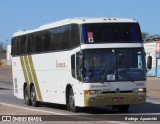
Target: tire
122	108
71	103
33	95
27	99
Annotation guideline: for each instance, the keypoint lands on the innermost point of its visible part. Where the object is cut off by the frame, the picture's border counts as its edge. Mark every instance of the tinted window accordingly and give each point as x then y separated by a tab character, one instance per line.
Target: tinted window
56	39
61	38
30	46
19	49
65	37
14	46
111	33
46	39
73	65
38	42
75	37
23	44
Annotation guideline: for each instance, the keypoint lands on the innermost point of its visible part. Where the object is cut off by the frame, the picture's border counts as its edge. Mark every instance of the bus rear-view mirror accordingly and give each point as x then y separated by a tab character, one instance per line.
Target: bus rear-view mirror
149	62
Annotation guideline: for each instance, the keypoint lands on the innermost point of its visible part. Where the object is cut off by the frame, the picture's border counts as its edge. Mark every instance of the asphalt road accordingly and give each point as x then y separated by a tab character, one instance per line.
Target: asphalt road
10	105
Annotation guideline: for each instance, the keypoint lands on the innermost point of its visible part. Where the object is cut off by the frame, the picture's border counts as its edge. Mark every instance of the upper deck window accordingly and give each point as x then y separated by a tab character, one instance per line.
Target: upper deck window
60	38
111	33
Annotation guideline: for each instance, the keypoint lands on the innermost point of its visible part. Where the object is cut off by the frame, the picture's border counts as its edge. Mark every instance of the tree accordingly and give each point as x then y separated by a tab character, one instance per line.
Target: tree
145	35
2	51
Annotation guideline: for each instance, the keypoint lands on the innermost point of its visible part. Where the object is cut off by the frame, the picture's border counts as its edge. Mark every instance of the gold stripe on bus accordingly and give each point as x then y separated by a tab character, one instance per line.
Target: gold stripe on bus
35	78
28	69
24	70
29	72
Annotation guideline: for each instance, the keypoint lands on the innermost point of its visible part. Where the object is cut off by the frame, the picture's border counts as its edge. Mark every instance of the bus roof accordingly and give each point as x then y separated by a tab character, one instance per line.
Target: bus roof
75	21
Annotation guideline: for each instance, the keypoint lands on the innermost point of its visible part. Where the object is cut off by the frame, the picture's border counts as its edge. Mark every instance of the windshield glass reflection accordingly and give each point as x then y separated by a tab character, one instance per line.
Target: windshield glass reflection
114	65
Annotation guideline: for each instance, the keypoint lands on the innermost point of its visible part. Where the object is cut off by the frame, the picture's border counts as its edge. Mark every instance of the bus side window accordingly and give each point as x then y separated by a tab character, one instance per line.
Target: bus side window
18	45
46	40
73	65
30	45
14	46
78	69
38	42
24	44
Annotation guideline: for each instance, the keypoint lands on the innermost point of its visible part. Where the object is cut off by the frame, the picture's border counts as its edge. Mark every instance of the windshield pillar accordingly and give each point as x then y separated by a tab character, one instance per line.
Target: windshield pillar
80	65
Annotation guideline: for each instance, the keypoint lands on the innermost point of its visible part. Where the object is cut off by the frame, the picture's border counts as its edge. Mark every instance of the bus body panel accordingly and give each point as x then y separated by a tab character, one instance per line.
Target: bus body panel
109	88
115	99
50	75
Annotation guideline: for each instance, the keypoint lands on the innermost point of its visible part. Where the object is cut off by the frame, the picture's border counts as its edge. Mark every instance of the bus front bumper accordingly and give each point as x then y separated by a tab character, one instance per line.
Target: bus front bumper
114	99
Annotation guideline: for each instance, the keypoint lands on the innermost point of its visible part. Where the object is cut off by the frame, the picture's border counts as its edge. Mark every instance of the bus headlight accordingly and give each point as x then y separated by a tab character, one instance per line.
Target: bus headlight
89	92
137	90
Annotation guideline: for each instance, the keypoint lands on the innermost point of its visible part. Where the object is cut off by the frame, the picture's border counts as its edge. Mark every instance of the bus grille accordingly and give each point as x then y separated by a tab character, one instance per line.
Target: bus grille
127	91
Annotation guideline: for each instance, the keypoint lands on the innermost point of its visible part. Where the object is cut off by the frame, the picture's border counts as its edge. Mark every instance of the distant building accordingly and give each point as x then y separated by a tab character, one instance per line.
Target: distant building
152	48
8	55
153	38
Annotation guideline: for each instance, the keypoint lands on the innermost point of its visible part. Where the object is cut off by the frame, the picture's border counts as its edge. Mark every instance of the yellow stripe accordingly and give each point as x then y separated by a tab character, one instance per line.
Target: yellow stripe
24	70
28	69
35	78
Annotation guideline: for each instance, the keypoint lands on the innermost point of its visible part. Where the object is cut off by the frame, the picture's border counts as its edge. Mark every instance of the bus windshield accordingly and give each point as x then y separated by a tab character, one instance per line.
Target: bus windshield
111	33
114	65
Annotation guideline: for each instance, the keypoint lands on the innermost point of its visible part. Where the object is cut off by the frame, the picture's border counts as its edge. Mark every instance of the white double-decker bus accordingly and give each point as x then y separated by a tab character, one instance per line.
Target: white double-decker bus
81	62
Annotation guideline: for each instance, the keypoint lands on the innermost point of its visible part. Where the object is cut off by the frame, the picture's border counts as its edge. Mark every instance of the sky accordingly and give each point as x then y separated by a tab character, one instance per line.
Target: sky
30	14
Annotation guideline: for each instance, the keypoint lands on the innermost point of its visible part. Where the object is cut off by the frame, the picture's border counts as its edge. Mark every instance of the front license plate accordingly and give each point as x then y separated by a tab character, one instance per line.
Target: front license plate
117	99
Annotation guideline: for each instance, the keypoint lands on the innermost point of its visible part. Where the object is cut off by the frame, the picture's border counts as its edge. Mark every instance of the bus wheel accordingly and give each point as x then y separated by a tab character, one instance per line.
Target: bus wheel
123	108
34	101
26	96
71	103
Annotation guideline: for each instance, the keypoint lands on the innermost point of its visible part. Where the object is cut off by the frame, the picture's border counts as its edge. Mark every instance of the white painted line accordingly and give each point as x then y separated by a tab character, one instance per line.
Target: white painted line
30	109
116	122
49	112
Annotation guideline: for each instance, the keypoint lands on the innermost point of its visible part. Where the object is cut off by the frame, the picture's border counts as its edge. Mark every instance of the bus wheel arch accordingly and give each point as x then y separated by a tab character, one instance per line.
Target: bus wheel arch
70	100
68	87
33	96
26	93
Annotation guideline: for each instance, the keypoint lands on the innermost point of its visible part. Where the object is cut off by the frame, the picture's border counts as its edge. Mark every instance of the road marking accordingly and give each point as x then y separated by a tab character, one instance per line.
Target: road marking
57	113
116	122
30	109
